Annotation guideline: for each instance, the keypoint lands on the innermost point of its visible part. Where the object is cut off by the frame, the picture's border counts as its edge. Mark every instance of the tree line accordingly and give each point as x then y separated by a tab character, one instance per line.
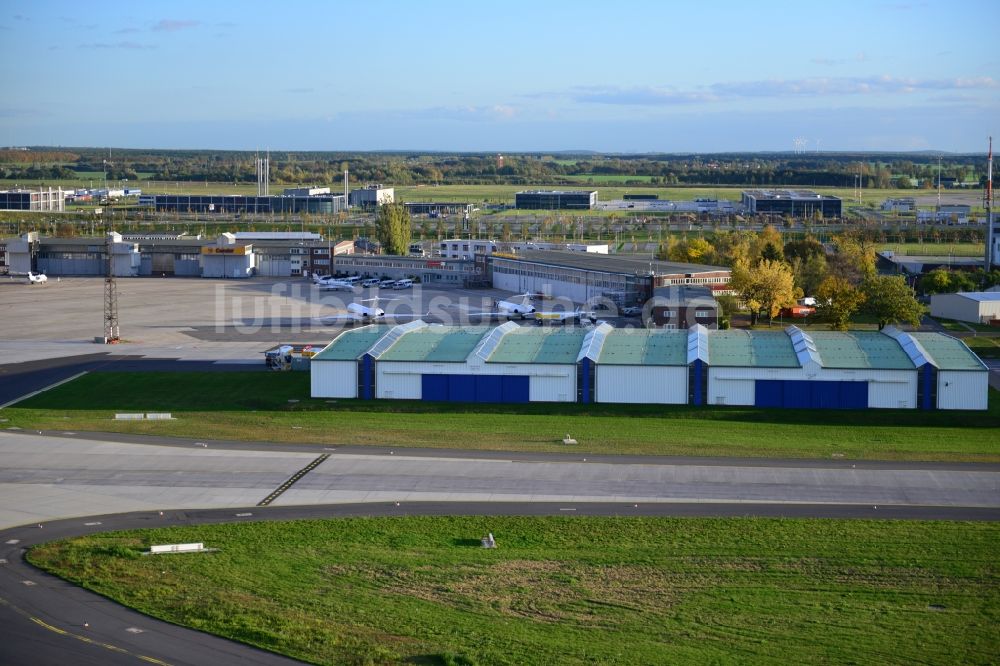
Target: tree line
325	168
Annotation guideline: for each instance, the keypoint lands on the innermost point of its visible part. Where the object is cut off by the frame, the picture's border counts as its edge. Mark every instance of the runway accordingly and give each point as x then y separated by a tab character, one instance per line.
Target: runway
73	485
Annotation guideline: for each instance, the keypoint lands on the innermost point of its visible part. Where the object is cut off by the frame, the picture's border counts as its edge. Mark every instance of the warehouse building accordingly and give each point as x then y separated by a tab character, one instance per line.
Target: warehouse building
418	361
635	366
73	256
797	203
889	369
41	199
587	277
976	307
556	199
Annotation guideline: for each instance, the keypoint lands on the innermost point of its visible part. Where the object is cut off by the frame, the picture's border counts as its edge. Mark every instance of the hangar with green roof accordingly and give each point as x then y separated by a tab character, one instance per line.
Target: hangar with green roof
788	368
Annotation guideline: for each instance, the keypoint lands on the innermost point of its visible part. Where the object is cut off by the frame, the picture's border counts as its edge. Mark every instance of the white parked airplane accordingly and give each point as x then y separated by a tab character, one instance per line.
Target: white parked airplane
357	312
37	278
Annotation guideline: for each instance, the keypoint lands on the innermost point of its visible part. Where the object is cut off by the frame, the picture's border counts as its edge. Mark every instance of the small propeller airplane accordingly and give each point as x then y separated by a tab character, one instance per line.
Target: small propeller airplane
37	278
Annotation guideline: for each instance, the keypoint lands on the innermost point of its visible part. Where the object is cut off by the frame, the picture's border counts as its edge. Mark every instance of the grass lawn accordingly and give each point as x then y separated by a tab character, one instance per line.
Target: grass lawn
567	590
984	346
258	406
930	249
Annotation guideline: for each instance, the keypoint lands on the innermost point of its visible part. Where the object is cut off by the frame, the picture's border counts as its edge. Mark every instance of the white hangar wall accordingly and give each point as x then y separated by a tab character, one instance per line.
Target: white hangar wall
641	384
333	379
958	389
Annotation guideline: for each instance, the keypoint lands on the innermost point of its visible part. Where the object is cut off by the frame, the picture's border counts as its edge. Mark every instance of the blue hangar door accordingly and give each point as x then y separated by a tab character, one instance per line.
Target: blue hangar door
474	388
790	393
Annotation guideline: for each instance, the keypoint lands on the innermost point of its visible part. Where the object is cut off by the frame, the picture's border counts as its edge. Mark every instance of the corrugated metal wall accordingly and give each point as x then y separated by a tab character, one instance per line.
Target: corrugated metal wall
334	379
395	382
642	384
962	389
559	385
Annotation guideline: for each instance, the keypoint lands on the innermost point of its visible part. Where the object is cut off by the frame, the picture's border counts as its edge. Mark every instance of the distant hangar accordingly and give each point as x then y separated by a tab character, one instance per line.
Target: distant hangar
786	369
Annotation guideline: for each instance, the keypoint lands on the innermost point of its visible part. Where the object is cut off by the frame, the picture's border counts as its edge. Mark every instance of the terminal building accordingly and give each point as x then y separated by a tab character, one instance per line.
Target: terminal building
888	369
439	208
51	199
797	203
556	199
322	204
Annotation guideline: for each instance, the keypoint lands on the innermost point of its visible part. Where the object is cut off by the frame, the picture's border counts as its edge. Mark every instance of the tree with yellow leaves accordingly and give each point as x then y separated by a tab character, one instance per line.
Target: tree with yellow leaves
766	287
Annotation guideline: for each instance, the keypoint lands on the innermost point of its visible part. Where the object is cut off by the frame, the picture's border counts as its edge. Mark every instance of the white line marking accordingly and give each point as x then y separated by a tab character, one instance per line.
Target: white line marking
42	390
96	522
243	515
13	541
29	583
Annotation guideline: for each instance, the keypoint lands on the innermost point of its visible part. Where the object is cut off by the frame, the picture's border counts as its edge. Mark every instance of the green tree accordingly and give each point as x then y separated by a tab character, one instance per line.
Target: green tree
891	300
393	229
837	301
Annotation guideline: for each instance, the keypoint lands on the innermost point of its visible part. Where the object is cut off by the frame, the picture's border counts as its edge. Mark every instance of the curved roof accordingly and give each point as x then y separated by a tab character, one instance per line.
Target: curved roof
351	344
644	347
538	345
766	349
860	349
948	353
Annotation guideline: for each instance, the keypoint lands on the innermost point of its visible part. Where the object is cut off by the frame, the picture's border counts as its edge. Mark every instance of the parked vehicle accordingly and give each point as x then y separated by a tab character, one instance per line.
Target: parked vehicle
370	282
387	284
403	284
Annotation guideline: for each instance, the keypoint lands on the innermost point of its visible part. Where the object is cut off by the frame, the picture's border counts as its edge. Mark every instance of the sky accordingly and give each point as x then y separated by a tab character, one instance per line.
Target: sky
627	76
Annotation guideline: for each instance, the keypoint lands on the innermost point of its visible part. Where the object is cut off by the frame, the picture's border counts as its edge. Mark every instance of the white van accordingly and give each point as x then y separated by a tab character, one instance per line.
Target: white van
403	284
370	282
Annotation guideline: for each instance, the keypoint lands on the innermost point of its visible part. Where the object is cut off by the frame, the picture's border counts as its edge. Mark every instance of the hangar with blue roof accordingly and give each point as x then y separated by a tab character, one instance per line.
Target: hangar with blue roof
789	368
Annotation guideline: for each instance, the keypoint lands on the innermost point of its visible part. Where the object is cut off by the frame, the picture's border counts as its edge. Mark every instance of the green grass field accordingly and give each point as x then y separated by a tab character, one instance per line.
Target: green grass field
608	187
255	406
930	249
567	590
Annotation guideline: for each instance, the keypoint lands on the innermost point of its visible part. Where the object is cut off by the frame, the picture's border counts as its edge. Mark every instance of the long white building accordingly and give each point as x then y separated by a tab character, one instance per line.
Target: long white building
891	369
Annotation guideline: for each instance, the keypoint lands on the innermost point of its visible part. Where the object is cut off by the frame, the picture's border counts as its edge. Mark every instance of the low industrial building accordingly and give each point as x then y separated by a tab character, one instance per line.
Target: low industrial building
899	205
456	272
585	277
556	199
976	307
51	199
469	248
371	196
890	369
797	203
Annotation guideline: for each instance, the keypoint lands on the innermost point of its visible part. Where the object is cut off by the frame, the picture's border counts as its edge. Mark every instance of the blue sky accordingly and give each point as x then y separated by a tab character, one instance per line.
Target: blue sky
505	76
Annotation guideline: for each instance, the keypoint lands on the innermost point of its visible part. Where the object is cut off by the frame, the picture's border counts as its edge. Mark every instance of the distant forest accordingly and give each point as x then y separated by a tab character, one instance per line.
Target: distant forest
881	170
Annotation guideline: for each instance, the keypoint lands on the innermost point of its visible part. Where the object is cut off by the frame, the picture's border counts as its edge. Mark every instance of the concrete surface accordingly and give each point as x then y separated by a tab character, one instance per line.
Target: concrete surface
44	477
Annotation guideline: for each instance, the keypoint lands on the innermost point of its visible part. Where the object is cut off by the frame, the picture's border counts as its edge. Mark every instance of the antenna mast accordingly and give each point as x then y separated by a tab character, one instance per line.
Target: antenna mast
988	204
